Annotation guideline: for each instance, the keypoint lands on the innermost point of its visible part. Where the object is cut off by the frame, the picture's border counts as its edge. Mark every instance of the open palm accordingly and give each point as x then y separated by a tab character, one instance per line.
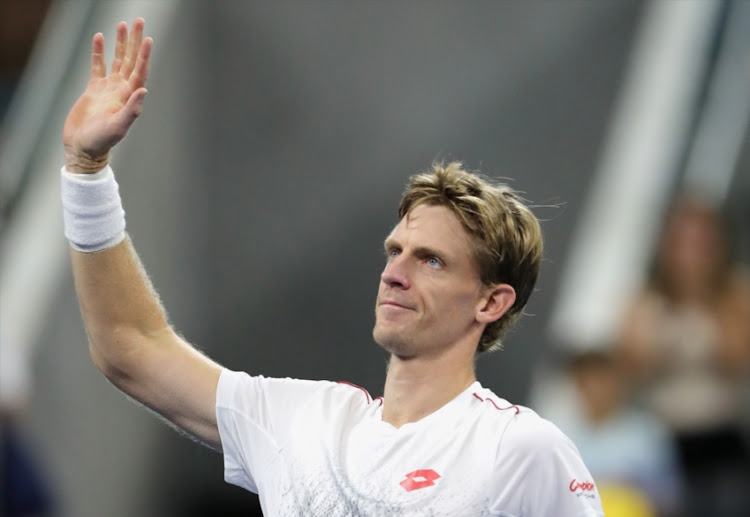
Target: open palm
102	115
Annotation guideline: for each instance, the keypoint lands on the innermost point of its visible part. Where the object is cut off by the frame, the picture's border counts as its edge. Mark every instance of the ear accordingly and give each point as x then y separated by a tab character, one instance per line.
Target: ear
495	302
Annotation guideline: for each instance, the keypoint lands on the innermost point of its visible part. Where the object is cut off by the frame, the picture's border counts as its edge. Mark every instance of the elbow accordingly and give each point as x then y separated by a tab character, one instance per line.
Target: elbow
116	355
115	371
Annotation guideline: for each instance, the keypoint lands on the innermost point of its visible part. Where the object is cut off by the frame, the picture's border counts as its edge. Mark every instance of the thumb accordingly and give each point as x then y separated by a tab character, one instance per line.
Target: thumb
128	113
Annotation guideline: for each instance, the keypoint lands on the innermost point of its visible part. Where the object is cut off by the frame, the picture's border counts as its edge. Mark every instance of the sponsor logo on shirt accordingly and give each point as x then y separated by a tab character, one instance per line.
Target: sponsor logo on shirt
582	488
421	478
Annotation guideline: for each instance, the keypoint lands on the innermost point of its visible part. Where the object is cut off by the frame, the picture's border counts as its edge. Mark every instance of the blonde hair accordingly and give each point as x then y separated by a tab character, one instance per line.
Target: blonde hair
506	238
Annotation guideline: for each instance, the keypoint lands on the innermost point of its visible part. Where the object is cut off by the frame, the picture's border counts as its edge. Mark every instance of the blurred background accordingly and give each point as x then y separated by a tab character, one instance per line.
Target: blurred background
266	169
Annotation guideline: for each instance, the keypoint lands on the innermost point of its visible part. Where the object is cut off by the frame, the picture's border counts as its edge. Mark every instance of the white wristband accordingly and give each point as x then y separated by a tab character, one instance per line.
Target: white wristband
92	210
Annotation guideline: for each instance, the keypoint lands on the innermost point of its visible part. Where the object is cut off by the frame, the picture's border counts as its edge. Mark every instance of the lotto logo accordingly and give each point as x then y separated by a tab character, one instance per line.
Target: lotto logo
583	486
421	478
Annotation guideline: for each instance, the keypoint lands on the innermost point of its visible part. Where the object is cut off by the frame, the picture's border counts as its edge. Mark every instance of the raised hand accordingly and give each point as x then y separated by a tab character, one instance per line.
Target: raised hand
102	115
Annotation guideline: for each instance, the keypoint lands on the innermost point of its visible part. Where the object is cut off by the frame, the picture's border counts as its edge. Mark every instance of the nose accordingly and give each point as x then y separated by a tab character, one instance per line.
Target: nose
396	273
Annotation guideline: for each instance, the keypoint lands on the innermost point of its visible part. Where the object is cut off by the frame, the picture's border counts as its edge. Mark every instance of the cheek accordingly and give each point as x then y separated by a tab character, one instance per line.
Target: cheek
455	305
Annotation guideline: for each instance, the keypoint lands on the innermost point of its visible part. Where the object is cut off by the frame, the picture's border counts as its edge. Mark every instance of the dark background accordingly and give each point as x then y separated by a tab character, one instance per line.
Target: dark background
265	172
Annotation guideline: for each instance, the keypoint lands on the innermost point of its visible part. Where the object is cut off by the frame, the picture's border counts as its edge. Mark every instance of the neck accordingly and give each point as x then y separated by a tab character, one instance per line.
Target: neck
417	387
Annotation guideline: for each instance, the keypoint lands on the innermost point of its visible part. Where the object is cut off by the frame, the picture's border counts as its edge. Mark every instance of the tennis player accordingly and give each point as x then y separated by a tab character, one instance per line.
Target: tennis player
460	266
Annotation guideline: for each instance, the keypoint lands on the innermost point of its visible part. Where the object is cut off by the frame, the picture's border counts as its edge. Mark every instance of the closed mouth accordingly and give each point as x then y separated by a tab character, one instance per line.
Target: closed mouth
394	304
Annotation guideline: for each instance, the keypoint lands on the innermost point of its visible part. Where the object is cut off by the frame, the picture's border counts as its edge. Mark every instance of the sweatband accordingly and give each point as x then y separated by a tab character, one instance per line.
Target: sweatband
92	211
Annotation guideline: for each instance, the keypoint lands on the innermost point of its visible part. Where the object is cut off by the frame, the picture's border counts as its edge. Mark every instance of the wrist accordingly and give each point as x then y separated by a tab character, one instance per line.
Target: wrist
93	216
80	162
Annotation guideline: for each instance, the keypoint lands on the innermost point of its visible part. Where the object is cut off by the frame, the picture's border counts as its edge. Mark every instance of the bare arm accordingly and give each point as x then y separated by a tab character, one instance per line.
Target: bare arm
733	315
130	338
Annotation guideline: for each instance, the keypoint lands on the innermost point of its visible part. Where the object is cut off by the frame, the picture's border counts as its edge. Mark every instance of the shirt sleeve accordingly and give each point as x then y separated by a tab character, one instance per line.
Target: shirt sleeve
548	474
254	416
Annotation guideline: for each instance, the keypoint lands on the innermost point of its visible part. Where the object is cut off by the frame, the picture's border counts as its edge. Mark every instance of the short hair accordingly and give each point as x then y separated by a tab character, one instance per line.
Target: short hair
505	236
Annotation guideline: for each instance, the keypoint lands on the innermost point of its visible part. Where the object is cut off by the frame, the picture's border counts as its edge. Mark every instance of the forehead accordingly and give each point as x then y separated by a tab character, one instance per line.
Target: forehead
432	226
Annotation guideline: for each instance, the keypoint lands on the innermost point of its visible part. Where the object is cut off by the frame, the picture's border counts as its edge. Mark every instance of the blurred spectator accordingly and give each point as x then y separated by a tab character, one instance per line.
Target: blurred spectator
630	454
23	488
686	338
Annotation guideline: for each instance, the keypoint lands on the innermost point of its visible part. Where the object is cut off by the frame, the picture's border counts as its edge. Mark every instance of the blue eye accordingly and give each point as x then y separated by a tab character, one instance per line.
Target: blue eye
433	262
392	253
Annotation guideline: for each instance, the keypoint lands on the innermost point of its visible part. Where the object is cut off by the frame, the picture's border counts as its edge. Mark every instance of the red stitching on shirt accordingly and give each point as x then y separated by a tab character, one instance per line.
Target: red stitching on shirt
359	387
496	406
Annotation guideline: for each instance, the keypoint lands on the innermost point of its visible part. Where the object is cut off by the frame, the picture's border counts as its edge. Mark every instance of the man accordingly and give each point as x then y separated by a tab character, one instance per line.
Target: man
461	264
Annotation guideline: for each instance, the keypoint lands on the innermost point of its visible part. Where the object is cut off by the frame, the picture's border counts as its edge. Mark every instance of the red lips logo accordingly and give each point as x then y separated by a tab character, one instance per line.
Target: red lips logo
421	478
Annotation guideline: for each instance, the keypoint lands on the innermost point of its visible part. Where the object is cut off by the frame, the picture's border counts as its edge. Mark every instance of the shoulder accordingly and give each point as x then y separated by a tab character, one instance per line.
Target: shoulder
549	463
240	388
524	438
539	471
520	428
493	405
528	434
276	408
237	383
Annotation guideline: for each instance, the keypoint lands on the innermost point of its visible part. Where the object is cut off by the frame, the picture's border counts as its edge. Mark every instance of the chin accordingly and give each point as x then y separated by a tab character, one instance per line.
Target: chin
387	339
391	341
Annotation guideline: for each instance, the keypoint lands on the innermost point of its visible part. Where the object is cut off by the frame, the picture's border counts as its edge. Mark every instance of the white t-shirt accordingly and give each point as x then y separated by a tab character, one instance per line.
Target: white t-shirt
319	448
